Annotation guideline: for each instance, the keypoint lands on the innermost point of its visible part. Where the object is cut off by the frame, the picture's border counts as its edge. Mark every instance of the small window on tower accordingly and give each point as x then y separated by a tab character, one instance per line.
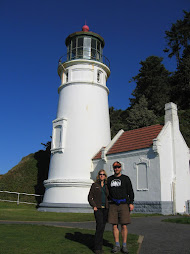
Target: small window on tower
99	74
59	135
66	76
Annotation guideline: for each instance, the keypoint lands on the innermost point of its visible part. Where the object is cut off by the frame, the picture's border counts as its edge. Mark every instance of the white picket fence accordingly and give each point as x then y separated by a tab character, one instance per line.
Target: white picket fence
18	197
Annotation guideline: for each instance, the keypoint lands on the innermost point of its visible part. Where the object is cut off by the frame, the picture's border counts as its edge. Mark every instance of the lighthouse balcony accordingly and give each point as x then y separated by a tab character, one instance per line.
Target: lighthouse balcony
84	54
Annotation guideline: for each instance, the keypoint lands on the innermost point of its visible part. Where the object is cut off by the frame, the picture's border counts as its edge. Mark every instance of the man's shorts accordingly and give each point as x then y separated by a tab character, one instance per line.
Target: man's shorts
119	214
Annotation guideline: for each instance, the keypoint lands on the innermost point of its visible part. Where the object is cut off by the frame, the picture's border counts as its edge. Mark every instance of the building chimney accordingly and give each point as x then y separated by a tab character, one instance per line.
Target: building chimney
171	114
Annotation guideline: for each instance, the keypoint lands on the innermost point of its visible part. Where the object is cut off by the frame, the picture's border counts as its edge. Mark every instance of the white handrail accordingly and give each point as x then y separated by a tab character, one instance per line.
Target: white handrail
18	198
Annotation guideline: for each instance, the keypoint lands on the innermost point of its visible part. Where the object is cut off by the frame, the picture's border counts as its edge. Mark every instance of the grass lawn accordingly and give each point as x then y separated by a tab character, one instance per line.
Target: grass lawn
181	220
22	212
35	239
30	239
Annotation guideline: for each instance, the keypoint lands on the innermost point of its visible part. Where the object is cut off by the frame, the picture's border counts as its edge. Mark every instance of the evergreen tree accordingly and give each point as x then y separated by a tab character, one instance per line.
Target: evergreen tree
184	123
181	82
140	115
153	81
116	120
178	37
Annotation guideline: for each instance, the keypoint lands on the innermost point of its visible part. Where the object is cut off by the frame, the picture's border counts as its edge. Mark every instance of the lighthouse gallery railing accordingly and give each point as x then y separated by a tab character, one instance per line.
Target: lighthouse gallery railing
84	54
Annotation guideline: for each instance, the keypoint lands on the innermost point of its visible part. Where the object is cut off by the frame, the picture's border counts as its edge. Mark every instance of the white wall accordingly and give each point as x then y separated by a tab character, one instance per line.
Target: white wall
182	174
174	154
164	141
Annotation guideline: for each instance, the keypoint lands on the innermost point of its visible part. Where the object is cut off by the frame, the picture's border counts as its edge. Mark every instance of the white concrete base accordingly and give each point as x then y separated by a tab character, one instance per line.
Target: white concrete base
67	191
65	208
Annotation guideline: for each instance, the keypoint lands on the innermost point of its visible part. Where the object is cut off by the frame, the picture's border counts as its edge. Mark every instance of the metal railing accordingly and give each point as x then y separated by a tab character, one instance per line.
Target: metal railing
84	55
18	197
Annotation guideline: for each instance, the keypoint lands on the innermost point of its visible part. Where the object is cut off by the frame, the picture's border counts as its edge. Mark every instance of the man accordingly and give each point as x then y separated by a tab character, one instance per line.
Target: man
121	203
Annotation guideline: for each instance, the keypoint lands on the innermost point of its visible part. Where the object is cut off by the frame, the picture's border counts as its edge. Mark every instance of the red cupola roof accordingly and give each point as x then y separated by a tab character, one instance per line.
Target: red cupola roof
85	28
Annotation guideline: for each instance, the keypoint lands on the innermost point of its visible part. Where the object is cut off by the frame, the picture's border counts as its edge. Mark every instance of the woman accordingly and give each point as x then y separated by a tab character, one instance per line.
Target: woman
98	199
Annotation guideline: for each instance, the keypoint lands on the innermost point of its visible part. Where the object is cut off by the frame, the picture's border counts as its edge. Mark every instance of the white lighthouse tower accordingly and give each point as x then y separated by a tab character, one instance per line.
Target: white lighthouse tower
82	125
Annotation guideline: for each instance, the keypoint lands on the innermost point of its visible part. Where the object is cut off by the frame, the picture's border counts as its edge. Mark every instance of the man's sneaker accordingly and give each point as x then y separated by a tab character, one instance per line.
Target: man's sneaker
115	249
125	250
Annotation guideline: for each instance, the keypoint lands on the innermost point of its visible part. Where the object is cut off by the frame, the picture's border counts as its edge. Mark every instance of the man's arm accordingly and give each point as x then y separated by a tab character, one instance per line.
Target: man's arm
131	195
131	207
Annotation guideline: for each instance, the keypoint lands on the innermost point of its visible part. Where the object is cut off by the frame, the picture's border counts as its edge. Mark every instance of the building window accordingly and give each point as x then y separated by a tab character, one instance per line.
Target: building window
142	173
142	181
59	135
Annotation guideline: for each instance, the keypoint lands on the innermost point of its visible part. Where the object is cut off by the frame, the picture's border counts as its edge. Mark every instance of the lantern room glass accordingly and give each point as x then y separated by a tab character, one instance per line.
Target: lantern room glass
84	47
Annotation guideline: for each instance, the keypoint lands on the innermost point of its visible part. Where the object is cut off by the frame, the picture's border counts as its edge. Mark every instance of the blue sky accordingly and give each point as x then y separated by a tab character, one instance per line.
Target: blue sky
33	39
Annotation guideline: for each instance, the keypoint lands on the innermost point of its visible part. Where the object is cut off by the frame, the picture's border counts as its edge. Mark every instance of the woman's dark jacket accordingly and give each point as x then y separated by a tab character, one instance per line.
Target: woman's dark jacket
95	195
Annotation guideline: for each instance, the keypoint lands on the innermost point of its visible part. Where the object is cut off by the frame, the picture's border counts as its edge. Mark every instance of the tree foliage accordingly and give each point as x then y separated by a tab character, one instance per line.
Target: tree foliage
117	120
178	37
153	82
181	82
140	116
184	123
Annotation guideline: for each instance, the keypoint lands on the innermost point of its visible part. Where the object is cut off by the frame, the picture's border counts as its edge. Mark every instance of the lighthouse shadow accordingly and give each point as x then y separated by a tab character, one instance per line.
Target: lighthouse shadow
85	239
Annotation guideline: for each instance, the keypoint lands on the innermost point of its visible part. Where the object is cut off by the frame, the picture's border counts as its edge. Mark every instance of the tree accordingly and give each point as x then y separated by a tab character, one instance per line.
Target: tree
153	81
116	120
178	37
181	82
47	147
140	115
184	122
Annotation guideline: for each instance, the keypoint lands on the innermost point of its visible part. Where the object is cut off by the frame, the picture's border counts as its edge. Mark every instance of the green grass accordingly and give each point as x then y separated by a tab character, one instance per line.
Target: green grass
145	214
181	220
22	212
36	239
29	239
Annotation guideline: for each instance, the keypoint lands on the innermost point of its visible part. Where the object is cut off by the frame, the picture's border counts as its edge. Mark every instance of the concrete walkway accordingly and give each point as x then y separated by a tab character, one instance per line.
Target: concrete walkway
159	237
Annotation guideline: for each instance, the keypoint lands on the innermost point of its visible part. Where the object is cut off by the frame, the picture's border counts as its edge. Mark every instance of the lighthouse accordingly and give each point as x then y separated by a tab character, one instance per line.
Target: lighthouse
82	125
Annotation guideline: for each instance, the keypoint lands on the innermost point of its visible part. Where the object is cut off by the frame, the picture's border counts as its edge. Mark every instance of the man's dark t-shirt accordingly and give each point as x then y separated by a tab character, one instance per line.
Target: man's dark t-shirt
120	188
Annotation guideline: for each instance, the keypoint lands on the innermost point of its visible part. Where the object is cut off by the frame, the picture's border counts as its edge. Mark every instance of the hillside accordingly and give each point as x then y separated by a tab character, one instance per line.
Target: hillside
27	176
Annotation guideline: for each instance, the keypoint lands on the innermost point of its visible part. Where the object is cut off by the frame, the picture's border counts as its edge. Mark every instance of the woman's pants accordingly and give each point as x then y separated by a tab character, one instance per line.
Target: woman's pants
101	218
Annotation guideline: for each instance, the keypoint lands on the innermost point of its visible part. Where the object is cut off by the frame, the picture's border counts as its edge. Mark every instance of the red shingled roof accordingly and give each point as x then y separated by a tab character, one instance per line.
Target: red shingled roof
98	155
134	140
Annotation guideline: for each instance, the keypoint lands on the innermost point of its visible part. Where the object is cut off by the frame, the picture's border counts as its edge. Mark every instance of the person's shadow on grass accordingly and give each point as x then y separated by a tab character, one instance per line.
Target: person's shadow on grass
85	239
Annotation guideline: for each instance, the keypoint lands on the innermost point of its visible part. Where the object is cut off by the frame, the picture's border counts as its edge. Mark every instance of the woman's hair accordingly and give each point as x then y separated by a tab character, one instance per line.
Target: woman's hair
98	176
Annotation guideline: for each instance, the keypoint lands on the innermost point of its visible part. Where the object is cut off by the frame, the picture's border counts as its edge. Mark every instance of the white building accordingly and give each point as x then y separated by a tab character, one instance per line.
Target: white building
82	124
156	158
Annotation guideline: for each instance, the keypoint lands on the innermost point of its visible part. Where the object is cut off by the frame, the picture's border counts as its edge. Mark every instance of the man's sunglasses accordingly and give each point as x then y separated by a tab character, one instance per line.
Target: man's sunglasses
116	166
